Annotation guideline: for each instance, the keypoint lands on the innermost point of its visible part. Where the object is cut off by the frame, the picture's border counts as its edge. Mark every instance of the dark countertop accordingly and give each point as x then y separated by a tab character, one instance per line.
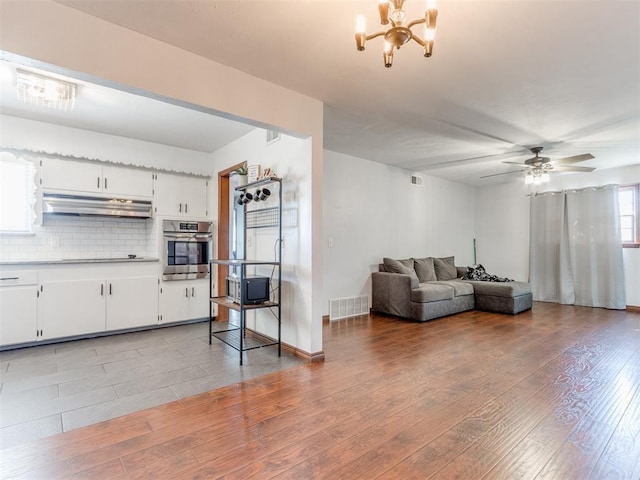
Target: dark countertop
65	261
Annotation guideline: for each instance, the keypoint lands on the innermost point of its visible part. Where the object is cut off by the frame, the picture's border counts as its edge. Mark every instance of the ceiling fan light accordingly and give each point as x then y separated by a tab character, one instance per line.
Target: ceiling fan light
545	178
528	179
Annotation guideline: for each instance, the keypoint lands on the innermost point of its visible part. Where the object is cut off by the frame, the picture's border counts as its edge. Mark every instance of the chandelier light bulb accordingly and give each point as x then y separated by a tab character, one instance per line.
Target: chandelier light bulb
361	24
431	4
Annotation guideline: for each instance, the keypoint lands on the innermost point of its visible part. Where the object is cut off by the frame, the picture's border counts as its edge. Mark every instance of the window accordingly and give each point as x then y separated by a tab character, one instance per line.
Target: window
17	189
629	197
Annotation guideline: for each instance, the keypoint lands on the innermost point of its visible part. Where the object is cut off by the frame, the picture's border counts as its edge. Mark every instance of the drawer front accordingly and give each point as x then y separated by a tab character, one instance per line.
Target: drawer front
11	278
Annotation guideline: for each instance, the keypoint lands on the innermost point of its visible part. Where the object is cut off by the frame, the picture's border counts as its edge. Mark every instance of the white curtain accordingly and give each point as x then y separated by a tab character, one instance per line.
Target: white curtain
576	248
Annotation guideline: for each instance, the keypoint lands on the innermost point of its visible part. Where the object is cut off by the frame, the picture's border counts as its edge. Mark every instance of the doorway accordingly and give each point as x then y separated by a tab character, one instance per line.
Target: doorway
227	233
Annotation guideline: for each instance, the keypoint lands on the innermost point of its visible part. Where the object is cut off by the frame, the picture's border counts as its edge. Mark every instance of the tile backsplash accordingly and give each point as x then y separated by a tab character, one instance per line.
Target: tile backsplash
66	237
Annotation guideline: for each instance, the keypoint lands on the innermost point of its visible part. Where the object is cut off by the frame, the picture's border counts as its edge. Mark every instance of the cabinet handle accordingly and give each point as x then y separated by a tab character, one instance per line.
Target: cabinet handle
10	278
102	289
109	289
98	182
193	291
186	208
105	183
180	208
186	292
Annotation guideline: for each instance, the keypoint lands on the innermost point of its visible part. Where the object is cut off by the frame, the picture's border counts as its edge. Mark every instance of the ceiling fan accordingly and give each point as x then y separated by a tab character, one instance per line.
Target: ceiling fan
538	166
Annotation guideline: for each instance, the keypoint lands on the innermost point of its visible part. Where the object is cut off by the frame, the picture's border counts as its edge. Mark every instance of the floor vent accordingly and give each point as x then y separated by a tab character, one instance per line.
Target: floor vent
348	307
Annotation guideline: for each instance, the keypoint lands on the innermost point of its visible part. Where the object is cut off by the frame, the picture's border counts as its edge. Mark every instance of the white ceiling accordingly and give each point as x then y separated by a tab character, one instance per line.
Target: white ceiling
504	76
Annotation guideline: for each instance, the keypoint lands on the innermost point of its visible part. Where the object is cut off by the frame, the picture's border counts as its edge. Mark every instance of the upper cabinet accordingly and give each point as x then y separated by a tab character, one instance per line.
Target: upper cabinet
87	177
181	196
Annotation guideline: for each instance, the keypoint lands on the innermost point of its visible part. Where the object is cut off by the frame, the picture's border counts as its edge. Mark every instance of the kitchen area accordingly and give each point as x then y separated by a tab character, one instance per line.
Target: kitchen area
117	248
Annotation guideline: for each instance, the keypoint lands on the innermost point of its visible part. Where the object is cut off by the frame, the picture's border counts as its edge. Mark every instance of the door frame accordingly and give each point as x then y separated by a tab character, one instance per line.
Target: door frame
224	191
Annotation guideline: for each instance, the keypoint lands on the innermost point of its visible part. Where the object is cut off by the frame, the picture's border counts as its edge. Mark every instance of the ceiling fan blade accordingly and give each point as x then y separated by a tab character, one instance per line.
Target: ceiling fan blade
514	163
569	168
574	159
504	173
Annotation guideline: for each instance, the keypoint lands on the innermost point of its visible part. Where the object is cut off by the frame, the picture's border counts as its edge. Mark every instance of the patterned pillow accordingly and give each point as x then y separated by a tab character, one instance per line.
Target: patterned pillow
445	268
424	269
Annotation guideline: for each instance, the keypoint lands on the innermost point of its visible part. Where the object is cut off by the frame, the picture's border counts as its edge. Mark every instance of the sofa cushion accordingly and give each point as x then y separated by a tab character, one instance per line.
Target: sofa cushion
431	292
424	269
459	287
500	289
401	266
445	268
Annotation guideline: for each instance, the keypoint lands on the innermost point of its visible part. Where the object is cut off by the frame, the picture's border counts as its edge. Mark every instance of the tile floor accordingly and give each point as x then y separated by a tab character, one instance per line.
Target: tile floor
49	389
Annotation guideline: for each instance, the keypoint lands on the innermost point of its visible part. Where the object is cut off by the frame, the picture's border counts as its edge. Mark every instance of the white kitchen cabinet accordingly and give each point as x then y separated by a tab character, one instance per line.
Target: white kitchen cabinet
131	302
71	307
71	177
18	307
127	181
184	300
180	196
79	307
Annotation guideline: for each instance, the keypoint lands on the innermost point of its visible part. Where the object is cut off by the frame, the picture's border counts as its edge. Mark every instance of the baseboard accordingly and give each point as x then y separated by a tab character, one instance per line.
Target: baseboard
309	357
633	308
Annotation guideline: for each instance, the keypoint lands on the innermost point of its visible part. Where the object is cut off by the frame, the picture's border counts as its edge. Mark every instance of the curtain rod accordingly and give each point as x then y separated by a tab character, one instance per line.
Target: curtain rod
573	190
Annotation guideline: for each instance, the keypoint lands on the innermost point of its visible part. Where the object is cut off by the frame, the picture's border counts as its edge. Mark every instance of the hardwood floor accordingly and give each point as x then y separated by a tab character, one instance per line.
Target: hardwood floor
550	393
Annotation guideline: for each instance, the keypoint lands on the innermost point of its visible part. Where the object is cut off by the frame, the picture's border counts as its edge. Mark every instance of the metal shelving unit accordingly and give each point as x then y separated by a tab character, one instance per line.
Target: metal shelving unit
240	337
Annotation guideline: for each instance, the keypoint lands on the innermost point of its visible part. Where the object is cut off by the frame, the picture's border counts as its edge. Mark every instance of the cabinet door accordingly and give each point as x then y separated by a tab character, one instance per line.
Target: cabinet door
74	307
194	197
18	314
127	181
199	299
131	302
174	301
167	194
71	176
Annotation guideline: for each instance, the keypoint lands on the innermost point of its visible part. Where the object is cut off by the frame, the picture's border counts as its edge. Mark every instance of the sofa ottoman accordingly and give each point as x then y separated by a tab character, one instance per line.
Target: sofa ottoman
502	297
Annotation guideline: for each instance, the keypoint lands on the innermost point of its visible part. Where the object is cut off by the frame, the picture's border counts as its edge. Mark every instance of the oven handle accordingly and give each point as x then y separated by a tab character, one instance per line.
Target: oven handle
195	236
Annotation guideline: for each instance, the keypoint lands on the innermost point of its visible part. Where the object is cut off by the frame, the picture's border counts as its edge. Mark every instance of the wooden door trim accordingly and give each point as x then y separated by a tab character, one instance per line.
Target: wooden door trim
224	190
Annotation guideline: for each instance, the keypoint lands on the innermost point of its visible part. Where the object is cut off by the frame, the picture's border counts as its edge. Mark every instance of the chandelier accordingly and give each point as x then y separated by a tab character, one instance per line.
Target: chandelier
400	31
45	91
538	174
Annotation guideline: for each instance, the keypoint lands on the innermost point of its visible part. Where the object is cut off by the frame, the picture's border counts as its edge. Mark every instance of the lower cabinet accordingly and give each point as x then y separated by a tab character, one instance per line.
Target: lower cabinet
131	302
18	308
184	300
72	307
79	307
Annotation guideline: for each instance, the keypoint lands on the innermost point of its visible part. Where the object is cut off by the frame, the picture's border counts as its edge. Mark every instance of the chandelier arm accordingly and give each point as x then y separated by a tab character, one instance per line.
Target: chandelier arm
418	40
416	22
374	35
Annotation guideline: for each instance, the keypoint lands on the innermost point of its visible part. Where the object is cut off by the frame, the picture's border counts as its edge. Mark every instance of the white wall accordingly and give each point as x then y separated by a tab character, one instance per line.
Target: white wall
290	159
372	211
105	53
502	224
26	134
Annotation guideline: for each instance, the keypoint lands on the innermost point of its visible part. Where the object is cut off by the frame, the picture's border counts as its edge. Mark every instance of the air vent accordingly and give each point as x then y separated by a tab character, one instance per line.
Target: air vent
348	307
416	180
272	136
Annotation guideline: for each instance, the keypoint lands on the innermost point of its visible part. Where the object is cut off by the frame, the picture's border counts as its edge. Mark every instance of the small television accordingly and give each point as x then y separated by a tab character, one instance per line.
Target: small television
254	290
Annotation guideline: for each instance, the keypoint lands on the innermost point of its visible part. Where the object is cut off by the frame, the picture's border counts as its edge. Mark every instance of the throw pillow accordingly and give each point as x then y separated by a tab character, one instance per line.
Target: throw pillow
401	266
424	269
445	268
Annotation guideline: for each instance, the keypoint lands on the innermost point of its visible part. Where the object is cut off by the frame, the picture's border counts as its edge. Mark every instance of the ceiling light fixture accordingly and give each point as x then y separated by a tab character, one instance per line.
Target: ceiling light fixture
45	91
538	175
400	32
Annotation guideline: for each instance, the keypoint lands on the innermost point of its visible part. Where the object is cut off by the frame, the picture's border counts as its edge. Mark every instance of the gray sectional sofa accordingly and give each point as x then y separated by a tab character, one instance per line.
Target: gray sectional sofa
426	288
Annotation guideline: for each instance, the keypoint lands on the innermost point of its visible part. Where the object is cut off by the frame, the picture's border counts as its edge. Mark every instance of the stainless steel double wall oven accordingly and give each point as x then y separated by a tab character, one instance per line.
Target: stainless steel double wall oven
187	249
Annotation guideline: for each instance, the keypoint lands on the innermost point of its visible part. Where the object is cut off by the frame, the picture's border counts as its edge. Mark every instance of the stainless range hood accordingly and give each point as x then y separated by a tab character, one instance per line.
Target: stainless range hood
54	204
